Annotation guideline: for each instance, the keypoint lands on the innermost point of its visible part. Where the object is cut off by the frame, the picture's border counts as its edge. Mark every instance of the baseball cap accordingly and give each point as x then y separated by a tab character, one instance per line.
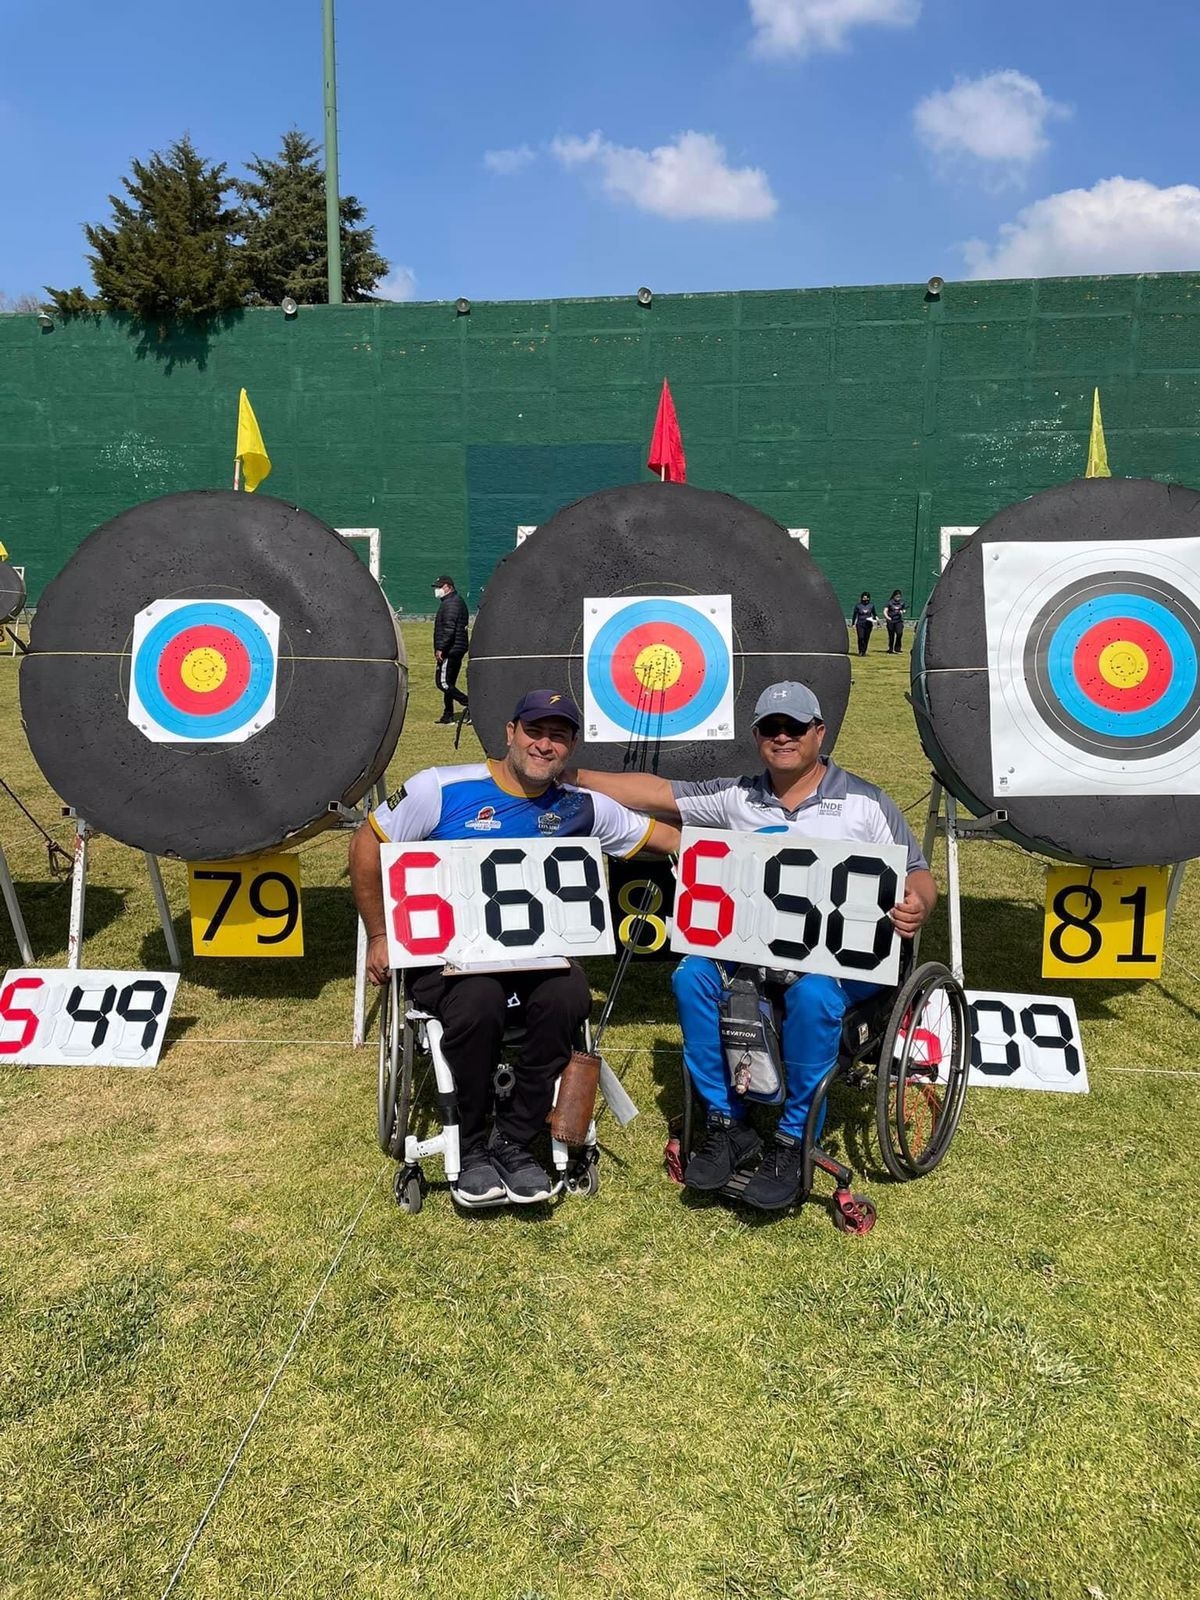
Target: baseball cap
540	703
794	700
438	583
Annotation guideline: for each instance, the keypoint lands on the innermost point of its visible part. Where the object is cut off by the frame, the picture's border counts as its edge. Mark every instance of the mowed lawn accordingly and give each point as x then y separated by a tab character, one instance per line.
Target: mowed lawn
994	1394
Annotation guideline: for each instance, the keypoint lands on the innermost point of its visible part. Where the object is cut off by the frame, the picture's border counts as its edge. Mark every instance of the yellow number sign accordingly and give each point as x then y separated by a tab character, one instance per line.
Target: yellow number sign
1102	924
246	908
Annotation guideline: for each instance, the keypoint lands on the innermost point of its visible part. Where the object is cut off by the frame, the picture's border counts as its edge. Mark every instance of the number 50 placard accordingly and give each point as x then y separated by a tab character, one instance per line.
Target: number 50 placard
778	900
465	901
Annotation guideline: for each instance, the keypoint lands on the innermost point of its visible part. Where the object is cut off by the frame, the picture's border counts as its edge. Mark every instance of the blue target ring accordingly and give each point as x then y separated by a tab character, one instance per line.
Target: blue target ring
683	719
247	634
1185	668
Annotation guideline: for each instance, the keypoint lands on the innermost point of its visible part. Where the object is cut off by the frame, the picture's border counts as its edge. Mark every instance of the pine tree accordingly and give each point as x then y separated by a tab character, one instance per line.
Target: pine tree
170	250
285	231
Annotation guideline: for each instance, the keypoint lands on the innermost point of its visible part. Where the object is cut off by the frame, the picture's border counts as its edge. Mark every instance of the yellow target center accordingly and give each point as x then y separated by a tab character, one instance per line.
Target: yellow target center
1123	664
203	670
658	667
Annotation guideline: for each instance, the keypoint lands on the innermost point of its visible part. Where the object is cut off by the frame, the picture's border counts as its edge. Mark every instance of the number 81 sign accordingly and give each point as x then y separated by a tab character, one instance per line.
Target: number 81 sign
778	900
465	901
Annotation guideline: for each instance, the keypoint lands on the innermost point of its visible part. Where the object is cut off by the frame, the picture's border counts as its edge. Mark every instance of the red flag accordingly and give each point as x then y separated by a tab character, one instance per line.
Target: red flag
666	447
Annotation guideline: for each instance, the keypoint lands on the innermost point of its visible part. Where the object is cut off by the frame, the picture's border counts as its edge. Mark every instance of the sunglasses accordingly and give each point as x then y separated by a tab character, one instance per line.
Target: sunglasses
772	727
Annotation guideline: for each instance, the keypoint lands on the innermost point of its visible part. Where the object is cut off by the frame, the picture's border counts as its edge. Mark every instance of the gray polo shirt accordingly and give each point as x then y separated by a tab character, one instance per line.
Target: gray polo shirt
843	806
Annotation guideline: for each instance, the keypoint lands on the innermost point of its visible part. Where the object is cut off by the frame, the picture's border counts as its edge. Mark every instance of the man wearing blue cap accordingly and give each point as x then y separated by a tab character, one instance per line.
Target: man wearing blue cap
801	792
518	797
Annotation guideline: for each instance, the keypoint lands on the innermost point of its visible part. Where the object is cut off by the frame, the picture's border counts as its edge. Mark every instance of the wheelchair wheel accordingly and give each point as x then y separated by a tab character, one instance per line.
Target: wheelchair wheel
409	1189
922	1078
391	1022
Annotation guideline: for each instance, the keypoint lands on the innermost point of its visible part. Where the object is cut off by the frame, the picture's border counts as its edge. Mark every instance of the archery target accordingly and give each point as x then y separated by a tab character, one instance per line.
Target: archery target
12	592
658	666
1094	667
203	671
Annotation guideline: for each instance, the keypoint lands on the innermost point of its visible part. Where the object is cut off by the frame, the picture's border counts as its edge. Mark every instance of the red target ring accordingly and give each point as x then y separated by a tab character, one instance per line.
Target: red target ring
204	670
1122	664
683	653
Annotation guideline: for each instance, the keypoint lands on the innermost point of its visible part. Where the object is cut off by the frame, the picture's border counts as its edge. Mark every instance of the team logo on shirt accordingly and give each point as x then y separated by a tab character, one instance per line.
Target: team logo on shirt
484	820
395	798
549	822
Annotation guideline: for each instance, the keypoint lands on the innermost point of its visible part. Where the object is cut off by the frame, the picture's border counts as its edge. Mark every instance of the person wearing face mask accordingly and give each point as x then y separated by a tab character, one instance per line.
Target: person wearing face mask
518	797
802	792
864	620
449	644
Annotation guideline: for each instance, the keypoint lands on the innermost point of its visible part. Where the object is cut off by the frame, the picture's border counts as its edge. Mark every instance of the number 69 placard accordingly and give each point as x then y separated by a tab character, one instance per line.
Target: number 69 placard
466	901
778	900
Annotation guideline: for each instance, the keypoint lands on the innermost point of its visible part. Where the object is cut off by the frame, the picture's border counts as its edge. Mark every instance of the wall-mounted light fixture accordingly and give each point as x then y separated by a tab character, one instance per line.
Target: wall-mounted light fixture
288	306
644	297
45	321
934	287
462	307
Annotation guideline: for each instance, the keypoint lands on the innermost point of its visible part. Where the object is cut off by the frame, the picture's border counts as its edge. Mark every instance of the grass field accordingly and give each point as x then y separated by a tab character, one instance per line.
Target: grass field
639	1397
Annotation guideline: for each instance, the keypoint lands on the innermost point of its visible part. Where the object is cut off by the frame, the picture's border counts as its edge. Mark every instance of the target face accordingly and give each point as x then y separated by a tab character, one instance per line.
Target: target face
658	667
1094	667
203	671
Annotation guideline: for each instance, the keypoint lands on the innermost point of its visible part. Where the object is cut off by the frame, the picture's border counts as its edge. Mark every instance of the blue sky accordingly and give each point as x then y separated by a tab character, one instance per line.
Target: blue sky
559	147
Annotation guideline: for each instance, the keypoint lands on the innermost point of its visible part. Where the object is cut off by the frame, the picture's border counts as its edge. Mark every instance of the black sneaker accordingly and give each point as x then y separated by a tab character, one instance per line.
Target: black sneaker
728	1147
524	1178
776	1184
478	1183
444	722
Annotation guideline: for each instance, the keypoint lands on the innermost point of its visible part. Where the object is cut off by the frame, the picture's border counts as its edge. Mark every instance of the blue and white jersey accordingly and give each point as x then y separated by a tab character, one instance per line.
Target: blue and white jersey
471	802
842	806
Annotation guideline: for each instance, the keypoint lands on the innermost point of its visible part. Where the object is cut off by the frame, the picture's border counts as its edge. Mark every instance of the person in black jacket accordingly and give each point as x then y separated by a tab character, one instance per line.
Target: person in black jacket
449	644
864	620
893	615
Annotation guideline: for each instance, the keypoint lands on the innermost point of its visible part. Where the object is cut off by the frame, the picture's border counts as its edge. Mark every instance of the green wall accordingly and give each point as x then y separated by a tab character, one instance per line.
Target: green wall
870	415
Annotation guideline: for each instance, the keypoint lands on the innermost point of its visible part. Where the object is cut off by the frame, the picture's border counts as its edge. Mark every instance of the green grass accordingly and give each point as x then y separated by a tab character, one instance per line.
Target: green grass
639	1397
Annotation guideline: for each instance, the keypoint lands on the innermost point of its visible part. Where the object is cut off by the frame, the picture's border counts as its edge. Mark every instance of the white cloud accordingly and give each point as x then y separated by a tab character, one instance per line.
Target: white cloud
683	180
1119	225
999	119
802	27
506	162
400	284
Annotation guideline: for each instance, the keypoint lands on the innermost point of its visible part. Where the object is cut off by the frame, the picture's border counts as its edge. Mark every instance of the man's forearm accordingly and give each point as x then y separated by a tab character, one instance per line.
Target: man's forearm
366	879
640	791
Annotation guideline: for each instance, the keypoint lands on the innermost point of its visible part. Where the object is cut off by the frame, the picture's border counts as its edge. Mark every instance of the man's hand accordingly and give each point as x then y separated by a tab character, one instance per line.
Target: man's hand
920	897
437	656
378	966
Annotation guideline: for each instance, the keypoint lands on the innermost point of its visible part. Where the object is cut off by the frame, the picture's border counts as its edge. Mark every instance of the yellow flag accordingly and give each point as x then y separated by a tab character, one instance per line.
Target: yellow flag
3	553
1097	466
256	463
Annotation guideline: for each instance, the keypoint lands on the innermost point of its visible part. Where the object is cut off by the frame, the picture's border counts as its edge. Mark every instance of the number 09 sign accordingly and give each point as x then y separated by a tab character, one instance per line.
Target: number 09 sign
778	900
465	901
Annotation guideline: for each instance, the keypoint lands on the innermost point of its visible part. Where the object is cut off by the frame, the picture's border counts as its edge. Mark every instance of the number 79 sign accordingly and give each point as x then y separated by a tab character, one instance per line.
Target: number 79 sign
465	901
778	900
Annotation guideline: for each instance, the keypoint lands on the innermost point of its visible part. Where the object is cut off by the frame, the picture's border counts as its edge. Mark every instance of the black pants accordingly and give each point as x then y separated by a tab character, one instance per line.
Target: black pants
863	630
447	676
474	1011
895	635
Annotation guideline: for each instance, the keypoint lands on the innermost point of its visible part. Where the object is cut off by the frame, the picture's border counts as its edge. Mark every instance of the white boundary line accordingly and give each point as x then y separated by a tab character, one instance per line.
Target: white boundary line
262	1404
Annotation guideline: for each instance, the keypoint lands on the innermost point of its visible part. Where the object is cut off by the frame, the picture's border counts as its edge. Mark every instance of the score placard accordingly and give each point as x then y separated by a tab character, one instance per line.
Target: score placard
95	1018
1105	924
1026	1041
779	900
246	908
641	903
465	901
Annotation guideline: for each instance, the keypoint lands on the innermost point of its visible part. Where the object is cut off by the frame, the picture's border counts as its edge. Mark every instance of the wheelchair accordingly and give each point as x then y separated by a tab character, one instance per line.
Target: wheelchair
910	1045
410	1053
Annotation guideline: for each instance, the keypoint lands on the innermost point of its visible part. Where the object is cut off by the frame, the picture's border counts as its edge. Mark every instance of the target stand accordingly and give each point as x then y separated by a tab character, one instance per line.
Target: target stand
83	834
946	821
14	911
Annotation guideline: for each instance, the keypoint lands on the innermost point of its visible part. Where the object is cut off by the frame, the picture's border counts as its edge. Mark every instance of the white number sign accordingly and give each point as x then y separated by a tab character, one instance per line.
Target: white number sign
778	900
466	901
55	1018
1026	1041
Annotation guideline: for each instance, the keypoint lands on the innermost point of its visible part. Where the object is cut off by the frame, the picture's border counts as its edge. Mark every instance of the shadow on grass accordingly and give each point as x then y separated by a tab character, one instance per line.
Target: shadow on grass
329	945
46	911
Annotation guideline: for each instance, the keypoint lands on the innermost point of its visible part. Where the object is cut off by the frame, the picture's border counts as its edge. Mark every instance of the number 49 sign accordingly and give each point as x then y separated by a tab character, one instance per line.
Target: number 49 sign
778	900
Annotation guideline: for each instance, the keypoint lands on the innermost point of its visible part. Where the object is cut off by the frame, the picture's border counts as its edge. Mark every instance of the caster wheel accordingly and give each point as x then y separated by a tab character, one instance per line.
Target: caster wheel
853	1213
409	1189
585	1183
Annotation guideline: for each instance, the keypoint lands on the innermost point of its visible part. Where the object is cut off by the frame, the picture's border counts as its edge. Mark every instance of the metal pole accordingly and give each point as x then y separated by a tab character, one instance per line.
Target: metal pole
333	237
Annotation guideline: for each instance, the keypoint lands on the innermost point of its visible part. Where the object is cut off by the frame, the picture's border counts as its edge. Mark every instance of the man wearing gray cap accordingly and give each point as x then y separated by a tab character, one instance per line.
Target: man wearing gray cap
800	792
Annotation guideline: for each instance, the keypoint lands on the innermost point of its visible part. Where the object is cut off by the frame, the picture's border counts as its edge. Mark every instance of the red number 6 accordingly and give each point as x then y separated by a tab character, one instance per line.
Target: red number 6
703	894
406	905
